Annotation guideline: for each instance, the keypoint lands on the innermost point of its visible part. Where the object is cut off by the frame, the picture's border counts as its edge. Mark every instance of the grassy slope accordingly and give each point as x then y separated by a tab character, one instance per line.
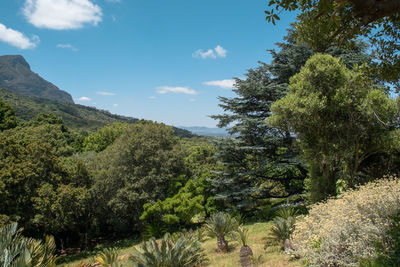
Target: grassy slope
271	257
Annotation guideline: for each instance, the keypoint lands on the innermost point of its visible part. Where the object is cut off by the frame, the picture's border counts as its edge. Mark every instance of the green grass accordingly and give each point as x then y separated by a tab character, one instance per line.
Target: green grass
271	256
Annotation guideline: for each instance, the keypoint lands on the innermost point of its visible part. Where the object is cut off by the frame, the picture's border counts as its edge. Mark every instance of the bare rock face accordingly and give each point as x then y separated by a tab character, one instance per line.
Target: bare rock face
16	76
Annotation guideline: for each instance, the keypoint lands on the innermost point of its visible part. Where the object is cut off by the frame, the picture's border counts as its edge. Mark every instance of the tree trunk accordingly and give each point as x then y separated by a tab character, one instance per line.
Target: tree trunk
222	243
245	256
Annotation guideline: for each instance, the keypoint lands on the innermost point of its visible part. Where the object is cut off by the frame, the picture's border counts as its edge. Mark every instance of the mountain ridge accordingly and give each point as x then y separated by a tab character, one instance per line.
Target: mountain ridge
16	76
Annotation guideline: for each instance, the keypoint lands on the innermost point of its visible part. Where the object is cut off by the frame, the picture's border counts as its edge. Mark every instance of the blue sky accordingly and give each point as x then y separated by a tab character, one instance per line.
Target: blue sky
163	60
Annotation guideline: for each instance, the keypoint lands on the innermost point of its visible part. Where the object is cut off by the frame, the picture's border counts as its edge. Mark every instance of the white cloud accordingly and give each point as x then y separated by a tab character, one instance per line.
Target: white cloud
67	46
225	84
62	14
204	54
105	93
84	98
221	52
176	90
115	105
217	52
17	39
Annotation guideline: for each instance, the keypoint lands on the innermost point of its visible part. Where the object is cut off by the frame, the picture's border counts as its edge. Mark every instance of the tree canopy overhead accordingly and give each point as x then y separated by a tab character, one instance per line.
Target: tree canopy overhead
323	23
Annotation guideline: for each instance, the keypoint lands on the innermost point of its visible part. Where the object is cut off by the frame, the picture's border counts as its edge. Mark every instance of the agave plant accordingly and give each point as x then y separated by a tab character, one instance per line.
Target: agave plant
184	252
246	252
19	251
219	225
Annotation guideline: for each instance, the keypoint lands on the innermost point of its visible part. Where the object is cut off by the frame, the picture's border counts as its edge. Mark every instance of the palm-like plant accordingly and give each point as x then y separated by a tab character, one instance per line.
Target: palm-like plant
283	226
219	225
184	252
19	251
246	252
108	258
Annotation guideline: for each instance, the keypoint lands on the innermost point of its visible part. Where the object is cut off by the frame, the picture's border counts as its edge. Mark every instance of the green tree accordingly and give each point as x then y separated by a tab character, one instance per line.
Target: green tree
8	119
134	170
340	119
323	23
100	139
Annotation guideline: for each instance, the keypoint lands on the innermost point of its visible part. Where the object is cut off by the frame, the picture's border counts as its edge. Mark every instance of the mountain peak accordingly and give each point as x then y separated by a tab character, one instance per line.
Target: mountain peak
15	60
16	76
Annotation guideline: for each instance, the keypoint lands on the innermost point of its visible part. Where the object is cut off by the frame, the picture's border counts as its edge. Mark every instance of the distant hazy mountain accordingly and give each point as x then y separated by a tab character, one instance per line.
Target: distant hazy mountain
205	131
16	76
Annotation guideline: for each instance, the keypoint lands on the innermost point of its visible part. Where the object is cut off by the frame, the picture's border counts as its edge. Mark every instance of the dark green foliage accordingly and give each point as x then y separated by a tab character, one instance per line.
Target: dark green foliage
340	120
323	23
134	170
8	119
261	162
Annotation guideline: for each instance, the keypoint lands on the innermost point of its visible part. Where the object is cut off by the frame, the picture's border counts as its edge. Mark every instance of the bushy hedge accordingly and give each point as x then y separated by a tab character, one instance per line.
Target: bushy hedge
342	231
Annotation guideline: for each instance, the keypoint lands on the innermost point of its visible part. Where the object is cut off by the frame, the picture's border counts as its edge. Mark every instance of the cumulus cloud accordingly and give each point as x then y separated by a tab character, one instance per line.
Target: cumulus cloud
217	52
67	46
176	90
225	84
17	39
221	52
84	98
62	14
105	93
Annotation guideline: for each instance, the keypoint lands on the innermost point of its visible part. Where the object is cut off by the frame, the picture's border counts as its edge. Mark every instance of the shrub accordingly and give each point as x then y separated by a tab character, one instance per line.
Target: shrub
342	231
184	252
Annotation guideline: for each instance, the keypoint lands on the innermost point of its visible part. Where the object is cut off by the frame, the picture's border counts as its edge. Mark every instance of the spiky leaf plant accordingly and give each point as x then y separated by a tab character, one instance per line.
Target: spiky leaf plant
281	229
184	252
19	251
219	225
286	213
108	258
246	252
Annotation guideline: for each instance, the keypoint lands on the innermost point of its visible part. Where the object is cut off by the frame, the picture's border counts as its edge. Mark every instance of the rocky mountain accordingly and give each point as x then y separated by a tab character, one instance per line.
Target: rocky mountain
16	76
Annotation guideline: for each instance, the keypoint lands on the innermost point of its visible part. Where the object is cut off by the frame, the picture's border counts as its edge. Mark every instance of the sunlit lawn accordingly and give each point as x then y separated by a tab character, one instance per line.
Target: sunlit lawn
271	256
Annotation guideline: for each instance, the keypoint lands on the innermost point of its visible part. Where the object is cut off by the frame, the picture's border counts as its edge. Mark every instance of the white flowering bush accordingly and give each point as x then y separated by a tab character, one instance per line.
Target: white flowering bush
342	231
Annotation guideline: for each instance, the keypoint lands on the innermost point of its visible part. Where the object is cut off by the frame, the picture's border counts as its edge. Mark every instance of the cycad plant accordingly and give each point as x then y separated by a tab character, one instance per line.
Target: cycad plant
219	225
246	252
19	251
283	225
184	252
108	258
